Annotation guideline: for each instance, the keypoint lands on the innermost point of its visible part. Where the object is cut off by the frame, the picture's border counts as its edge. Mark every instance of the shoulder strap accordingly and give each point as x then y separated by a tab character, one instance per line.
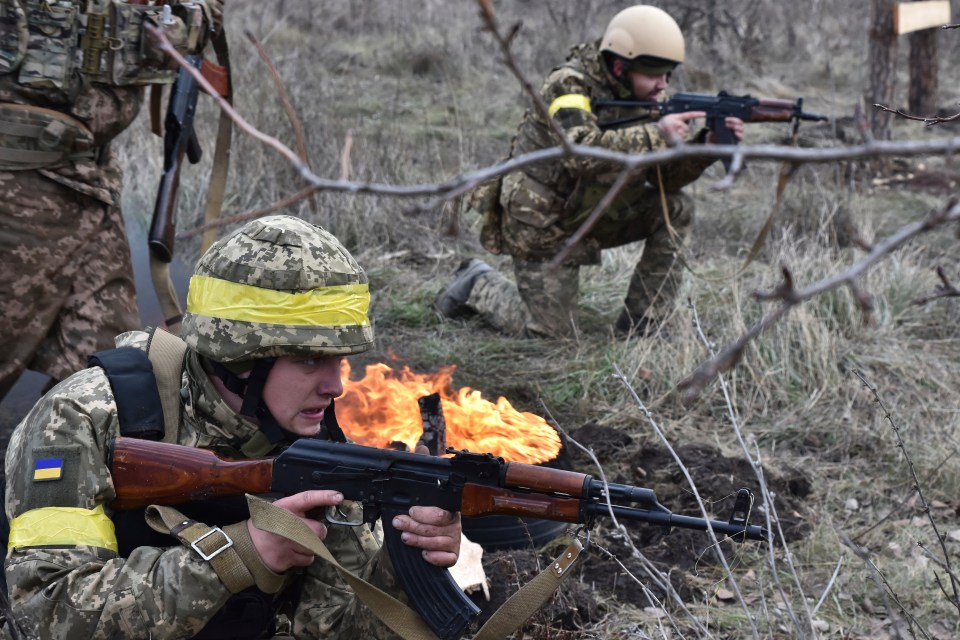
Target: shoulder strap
167	352
131	379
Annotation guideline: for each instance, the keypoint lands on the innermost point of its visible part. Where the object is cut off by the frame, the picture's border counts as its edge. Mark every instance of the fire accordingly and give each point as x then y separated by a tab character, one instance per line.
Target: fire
383	408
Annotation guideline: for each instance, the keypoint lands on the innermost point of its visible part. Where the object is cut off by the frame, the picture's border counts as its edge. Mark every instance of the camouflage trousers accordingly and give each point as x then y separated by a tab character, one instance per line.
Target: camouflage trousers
543	302
67	287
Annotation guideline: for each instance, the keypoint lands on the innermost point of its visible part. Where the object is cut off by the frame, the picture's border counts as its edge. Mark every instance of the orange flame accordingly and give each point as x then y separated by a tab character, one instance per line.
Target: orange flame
382	408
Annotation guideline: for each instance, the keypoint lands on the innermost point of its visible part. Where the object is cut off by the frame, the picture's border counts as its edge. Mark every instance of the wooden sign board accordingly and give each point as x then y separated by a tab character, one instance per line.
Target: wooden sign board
914	16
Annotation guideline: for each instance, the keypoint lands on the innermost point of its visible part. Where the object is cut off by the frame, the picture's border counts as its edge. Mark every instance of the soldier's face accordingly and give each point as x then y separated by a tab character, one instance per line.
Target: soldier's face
647	87
298	390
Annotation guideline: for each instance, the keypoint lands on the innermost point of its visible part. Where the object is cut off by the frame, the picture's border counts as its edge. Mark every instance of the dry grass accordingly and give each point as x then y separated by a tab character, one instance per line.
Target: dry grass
422	91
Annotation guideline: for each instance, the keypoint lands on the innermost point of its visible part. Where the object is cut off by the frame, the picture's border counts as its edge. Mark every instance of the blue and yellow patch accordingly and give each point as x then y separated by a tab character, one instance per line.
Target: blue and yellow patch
48	469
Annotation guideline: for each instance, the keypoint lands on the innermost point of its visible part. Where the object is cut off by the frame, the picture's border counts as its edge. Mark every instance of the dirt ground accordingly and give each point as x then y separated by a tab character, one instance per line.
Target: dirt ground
683	554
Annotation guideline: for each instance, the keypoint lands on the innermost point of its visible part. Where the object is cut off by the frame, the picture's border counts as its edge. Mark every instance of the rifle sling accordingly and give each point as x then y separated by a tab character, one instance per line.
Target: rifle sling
786	170
167	353
400	618
531	596
156	119
221	155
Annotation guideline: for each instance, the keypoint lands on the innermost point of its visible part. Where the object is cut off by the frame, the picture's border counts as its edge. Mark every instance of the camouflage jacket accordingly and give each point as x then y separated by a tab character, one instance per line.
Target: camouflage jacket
86	60
545	203
87	591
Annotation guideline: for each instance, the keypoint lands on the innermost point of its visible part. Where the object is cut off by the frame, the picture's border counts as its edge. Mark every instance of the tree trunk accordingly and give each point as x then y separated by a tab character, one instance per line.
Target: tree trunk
923	73
882	64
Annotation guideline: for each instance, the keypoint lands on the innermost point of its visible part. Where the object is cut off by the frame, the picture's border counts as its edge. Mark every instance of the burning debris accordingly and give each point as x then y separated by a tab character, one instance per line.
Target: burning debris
388	407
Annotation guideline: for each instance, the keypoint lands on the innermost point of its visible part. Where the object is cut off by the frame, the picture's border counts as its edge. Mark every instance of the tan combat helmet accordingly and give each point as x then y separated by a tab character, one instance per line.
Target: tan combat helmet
645	37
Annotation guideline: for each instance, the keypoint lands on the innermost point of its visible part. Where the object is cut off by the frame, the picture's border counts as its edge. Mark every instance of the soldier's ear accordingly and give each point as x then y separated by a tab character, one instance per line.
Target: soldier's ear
617	68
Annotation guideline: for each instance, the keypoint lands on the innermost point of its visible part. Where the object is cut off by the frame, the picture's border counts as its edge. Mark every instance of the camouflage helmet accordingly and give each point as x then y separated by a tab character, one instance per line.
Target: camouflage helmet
646	37
277	286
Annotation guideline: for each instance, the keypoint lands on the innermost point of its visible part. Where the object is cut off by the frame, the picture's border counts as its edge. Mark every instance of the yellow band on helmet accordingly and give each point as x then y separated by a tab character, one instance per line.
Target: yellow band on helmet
63	526
570	101
336	306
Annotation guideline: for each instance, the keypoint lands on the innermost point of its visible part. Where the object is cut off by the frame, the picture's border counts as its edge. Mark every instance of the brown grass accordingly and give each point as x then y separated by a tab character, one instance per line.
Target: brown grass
423	92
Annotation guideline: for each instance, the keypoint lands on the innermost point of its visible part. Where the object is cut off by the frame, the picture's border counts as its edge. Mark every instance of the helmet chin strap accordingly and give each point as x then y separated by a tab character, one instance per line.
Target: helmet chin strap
250	389
621	81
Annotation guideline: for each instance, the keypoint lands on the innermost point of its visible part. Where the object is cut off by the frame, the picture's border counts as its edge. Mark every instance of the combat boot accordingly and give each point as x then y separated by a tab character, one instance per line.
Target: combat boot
630	326
452	301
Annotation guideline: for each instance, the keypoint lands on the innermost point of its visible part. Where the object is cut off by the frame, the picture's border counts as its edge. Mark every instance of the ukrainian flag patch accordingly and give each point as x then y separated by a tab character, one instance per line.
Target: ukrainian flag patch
48	469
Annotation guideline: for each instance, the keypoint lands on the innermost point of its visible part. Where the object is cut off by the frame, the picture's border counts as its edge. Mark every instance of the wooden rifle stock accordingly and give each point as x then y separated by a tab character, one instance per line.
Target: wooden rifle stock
146	472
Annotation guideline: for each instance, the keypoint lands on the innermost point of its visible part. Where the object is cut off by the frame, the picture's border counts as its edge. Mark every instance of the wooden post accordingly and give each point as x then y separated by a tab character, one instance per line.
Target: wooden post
891	19
883	56
924	83
922	21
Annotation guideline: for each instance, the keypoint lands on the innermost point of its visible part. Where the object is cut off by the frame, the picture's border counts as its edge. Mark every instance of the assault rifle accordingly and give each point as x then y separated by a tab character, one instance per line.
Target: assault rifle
717	108
179	139
388	483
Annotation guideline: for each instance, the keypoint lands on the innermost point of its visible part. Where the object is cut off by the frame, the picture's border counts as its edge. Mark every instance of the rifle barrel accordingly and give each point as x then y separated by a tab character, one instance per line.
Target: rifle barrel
668	519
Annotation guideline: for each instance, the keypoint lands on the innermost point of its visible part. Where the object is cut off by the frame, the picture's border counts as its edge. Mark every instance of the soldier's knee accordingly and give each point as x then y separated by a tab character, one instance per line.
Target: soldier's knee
681	207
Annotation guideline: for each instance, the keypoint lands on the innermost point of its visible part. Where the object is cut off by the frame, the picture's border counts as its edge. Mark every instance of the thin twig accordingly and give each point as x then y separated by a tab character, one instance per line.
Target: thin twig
618	374
859	536
955	600
826	590
890	597
295	123
662	581
946	290
769	510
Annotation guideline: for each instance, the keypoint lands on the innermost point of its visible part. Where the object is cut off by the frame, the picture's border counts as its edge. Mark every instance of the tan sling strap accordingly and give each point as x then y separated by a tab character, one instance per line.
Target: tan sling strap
528	599
403	620
786	170
221	156
212	544
167	353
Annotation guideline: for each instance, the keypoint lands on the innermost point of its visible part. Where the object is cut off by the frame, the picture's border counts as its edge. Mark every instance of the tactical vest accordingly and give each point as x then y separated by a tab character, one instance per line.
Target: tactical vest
146	386
51	49
57	45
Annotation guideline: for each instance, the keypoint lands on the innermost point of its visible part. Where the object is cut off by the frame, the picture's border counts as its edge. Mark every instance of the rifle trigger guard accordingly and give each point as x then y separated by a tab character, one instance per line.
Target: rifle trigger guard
334	515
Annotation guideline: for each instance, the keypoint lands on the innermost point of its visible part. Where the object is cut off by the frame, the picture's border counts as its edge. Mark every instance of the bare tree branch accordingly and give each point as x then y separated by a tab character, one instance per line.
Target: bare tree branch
927	120
947	290
464	182
504	42
692	386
